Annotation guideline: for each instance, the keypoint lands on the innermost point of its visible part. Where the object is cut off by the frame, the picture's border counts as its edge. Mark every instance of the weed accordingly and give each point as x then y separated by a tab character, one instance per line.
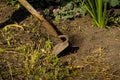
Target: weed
48	45
14	3
114	20
30	60
113	3
69	11
12	25
24	49
1	50
9	41
55	61
10	70
97	10
9	37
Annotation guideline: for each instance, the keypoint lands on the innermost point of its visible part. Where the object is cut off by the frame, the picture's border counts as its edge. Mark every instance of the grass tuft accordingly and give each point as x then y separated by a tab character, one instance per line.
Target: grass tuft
97	9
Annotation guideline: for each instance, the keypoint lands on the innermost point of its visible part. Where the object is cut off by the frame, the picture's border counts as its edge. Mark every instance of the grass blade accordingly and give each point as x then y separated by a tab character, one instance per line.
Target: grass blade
97	10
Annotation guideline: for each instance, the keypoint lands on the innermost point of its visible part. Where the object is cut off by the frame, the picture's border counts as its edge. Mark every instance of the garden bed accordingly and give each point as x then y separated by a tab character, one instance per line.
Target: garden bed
25	49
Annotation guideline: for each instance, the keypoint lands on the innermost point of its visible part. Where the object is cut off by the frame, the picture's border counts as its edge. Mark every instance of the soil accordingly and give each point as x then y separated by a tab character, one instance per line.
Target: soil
90	46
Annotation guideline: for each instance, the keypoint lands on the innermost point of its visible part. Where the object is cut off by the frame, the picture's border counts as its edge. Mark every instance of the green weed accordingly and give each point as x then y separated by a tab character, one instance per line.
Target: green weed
1	50
70	10
6	28
10	70
5	31
14	3
113	3
114	20
30	60
48	45
97	10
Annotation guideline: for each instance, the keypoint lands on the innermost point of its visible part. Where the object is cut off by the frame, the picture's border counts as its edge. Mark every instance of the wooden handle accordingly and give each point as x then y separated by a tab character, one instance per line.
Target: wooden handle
45	23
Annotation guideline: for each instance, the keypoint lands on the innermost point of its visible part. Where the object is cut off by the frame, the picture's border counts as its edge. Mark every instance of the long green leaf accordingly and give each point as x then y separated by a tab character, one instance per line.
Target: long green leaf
92	8
104	15
97	10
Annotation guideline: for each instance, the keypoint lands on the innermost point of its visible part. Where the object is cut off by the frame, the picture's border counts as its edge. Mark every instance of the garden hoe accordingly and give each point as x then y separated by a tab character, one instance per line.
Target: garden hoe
60	46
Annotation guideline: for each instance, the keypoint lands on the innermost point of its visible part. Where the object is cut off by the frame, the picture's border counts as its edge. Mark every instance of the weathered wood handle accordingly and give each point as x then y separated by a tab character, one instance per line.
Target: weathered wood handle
59	47
45	23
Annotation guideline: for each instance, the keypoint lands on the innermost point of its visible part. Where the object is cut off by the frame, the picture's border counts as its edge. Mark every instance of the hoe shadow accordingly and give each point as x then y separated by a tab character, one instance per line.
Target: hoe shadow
17	16
75	44
22	13
68	51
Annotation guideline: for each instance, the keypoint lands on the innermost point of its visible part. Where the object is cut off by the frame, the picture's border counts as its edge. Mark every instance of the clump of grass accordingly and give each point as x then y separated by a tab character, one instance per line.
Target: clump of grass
97	9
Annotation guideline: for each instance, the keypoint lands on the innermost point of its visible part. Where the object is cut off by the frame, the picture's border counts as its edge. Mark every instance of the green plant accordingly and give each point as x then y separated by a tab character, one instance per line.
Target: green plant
48	45
113	3
69	10
97	9
6	32
114	20
55	60
10	70
1	50
30	63
14	3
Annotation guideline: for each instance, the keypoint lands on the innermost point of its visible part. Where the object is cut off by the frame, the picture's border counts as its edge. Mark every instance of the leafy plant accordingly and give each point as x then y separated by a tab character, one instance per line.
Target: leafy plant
69	10
114	20
97	10
112	3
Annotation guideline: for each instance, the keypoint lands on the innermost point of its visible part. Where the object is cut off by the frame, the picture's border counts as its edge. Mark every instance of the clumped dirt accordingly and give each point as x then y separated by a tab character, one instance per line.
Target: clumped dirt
95	50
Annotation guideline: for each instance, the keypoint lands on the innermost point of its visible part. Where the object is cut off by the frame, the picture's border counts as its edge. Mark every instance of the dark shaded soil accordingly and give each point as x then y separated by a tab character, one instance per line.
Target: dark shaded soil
97	51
